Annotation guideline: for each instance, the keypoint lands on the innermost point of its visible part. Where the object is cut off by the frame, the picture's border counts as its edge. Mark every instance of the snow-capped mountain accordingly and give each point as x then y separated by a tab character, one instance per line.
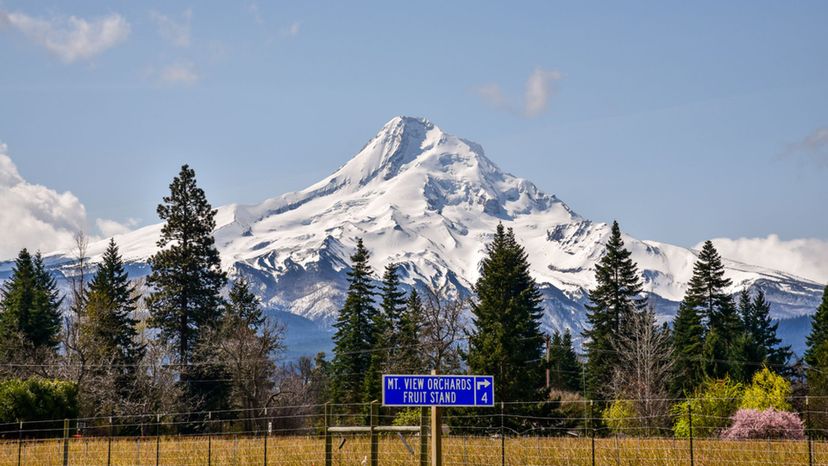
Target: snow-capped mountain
430	201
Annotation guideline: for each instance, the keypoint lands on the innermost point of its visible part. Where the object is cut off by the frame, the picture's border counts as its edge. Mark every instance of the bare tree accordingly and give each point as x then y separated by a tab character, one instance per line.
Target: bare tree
248	355
76	360
443	329
641	376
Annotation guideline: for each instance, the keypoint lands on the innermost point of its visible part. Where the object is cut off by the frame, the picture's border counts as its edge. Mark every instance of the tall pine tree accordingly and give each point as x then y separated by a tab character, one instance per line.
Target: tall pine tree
707	294
186	279
354	336
616	296
506	340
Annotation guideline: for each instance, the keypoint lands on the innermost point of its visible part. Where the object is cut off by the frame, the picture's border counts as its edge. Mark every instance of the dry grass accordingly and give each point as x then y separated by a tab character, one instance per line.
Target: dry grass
467	451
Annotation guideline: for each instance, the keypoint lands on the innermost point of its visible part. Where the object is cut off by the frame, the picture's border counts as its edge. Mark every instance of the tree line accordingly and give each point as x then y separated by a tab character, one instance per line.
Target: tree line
174	343
188	338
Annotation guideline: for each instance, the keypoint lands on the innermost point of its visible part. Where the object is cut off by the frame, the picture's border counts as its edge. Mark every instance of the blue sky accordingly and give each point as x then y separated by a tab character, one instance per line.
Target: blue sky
683	120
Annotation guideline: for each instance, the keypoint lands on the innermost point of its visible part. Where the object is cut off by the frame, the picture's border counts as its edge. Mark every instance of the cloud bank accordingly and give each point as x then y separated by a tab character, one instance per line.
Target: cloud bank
540	87
70	38
806	258
39	218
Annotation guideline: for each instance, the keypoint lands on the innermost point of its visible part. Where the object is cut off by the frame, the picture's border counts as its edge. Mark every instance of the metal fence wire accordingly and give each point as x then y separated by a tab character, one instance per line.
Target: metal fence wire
539	433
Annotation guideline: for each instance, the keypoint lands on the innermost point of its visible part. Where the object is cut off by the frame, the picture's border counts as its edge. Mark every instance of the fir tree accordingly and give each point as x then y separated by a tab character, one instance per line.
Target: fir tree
761	343
30	307
816	358
565	369
617	295
819	332
707	294
688	351
386	331
506	340
354	336
110	302
409	359
44	323
186	279
244	308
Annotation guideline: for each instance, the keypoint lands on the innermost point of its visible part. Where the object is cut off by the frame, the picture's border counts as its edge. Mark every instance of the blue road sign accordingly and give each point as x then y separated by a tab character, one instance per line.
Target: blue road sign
437	390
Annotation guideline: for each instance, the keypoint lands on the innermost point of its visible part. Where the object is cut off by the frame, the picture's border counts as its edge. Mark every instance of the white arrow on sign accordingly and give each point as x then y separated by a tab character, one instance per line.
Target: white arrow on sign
484	383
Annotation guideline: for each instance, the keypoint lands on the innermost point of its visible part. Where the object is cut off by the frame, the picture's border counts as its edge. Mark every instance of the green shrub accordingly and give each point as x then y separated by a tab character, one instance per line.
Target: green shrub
407	417
767	390
620	416
37	399
712	405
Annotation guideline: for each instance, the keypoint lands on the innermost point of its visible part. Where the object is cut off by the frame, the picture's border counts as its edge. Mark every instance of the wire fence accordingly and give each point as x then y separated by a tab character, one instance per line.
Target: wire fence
541	433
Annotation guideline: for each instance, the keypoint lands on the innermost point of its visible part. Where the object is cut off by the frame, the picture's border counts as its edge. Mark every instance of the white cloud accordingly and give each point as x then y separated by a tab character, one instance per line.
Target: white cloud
110	228
540	86
806	258
292	30
814	147
70	38
183	73
36	217
177	32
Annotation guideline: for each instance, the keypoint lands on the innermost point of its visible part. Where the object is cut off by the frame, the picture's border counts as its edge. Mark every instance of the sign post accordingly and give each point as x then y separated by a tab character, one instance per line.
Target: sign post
437	391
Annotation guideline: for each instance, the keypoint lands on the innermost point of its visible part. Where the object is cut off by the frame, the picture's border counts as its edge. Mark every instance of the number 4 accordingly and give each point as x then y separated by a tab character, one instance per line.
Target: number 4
485	398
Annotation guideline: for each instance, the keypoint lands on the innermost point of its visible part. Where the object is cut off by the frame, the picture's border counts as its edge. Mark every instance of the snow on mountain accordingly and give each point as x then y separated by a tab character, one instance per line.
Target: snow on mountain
430	201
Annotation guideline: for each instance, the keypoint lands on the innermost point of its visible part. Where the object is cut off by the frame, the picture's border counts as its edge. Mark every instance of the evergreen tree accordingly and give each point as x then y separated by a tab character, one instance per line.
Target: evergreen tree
186	280
409	359
506	340
762	345
244	308
688	351
565	370
30	307
816	358
354	336
707	295
819	332
386	326
109	304
617	295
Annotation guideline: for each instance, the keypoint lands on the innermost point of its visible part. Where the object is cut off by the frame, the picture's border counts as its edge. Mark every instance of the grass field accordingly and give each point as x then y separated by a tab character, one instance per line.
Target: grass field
295	451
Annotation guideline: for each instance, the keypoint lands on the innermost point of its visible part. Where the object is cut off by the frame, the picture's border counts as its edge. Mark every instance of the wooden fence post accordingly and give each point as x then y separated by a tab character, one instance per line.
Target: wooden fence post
690	422
374	422
592	428
157	439
808	431
328	440
20	444
66	442
209	438
423	436
109	444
